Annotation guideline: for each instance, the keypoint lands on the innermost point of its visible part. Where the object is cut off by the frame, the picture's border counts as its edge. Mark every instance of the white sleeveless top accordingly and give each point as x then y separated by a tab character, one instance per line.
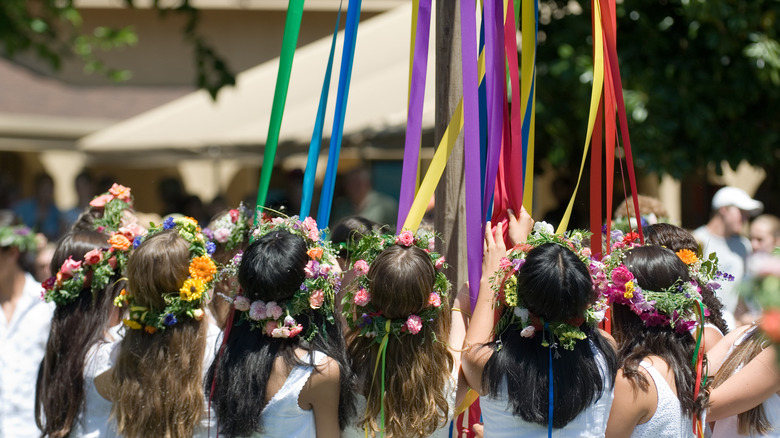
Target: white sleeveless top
668	420
282	416
500	422
353	431
727	427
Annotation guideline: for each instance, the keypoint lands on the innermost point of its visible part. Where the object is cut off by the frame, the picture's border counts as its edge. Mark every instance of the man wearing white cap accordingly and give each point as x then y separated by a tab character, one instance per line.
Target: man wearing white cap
722	235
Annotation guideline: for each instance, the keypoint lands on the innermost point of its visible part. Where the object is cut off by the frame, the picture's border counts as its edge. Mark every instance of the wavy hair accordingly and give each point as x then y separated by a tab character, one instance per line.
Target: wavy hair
75	329
676	238
656	268
555	285
157	379
272	269
417	367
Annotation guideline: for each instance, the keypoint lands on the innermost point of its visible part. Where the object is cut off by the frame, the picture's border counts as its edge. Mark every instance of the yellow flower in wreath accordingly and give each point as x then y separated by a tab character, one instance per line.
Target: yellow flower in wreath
192	289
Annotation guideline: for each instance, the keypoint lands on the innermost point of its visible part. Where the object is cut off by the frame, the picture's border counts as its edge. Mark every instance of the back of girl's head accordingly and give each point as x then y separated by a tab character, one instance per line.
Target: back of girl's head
75	244
670	236
554	283
158	266
272	267
656	268
401	281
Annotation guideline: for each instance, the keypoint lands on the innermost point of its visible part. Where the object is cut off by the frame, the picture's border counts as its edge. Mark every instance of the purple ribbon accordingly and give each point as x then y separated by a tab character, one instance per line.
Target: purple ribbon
415	112
496	81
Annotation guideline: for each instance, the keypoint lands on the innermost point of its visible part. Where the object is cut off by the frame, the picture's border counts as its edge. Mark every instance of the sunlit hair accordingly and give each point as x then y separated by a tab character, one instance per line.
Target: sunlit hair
656	268
676	239
556	286
75	329
157	381
272	269
752	422
418	366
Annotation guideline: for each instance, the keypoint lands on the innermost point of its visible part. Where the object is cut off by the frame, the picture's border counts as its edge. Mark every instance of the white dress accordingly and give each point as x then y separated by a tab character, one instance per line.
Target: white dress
282	416
353	431
668	420
500	422
727	427
22	346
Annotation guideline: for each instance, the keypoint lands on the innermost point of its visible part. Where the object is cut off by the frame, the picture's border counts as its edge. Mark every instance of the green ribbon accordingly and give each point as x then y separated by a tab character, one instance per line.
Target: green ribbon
380	357
292	27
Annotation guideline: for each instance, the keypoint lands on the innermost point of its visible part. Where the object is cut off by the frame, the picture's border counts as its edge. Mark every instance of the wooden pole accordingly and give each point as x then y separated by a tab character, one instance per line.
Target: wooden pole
450	213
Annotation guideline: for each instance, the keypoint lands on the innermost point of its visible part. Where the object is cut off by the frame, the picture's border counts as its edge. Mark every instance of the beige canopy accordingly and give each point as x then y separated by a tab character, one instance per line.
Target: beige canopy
241	115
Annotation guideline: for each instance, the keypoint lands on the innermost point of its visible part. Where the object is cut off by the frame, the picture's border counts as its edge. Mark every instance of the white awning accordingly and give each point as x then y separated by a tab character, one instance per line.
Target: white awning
241	115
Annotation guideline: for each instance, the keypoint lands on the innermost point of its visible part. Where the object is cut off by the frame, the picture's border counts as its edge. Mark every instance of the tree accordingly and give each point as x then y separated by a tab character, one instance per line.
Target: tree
699	77
53	29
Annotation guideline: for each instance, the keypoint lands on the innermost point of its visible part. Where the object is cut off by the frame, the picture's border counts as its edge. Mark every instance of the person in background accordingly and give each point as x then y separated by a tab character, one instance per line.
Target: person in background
362	200
41	268
765	233
40	212
85	190
722	235
24	328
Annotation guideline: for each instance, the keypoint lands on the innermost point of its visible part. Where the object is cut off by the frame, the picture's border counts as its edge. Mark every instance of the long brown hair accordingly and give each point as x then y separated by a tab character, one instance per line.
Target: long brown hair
417	366
75	329
157	380
752	422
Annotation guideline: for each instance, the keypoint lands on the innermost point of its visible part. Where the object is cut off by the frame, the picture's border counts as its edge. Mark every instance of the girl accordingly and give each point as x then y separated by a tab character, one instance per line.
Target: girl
546	332
682	243
155	386
403	342
282	371
744	399
84	306
654	303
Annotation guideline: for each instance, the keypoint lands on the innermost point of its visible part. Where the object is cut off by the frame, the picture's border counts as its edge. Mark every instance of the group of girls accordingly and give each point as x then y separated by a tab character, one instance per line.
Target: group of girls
275	331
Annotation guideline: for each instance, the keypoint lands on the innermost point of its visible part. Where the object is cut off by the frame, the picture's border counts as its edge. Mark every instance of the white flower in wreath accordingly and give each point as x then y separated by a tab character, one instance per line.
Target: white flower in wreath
522	313
543	227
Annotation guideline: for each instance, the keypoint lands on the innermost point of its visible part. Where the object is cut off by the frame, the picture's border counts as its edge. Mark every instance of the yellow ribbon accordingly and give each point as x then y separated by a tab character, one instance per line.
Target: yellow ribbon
528	88
595	98
470	397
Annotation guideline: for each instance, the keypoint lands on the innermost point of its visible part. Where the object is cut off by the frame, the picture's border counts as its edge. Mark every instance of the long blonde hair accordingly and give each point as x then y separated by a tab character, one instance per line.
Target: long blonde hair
417	367
157	385
753	421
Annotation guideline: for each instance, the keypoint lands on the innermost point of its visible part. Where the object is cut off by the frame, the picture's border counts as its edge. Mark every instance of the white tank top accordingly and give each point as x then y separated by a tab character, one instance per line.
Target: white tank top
668	420
282	416
500	422
727	427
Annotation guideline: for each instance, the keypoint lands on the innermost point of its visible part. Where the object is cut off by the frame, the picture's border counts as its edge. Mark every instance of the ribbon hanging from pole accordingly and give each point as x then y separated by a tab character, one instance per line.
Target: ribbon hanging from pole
345	75
316	137
292	27
409	176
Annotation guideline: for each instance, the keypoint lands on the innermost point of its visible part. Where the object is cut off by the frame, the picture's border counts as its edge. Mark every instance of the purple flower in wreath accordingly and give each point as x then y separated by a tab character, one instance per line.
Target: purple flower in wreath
137	241
170	319
654	318
210	247
168	223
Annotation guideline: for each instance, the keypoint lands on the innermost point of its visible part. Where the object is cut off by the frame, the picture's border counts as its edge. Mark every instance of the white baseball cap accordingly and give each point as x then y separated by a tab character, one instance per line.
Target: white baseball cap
737	197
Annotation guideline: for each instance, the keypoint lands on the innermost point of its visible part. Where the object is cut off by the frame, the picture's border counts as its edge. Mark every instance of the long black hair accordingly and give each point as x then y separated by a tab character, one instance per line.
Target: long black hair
272	269
656	268
75	328
555	285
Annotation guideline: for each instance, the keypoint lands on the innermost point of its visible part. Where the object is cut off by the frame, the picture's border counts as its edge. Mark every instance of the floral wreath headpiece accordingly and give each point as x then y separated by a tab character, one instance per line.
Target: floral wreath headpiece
113	202
705	271
99	265
18	236
317	292
188	300
230	230
564	333
362	315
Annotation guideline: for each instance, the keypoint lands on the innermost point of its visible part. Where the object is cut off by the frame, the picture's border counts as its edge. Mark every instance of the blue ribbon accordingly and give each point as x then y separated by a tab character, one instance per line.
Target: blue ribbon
550	392
316	136
345	75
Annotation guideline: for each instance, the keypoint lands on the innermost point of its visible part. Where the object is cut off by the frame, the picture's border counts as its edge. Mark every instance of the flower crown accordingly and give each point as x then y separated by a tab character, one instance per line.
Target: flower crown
230	229
113	202
566	333
705	272
675	306
362	315
18	236
188	300
317	292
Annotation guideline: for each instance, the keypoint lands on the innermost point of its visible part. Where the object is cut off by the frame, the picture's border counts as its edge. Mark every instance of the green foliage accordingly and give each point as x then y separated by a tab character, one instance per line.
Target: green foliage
699	78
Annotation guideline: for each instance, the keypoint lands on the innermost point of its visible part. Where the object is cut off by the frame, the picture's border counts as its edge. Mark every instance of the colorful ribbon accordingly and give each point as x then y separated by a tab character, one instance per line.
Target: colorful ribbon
409	175
380	357
345	75
698	364
550	394
292	27
316	136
